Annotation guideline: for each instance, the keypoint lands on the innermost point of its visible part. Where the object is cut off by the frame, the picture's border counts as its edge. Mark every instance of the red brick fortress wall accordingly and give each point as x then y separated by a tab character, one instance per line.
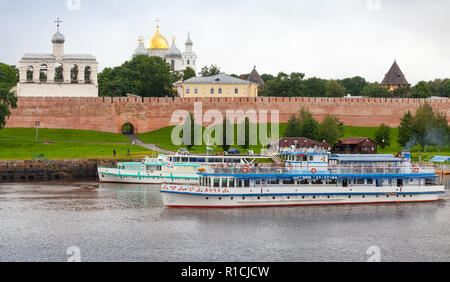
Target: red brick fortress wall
148	114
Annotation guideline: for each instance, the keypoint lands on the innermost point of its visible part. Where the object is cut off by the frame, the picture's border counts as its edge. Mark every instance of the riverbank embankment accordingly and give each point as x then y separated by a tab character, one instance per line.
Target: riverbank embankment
43	170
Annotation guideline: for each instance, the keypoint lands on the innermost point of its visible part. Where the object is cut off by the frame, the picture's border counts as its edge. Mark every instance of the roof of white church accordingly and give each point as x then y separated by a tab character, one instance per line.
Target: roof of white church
217	79
174	51
140	50
50	58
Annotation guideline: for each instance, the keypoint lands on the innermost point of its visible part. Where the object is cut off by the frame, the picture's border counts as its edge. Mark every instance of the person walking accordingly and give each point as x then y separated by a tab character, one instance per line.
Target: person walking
115	152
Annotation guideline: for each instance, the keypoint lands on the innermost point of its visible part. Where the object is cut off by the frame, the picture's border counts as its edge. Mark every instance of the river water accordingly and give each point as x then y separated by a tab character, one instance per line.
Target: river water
88	221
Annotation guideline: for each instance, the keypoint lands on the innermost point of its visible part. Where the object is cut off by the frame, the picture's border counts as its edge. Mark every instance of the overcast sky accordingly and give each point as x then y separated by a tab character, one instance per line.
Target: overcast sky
324	38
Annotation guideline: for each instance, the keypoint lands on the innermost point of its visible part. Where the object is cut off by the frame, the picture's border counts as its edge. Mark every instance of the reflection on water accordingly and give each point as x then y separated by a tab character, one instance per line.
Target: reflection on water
117	222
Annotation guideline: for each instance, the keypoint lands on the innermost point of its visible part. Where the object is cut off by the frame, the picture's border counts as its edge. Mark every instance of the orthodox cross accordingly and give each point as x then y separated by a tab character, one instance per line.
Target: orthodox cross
157	22
58	22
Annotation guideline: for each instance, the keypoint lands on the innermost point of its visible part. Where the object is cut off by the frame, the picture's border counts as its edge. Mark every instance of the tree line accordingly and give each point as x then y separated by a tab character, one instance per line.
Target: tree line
152	77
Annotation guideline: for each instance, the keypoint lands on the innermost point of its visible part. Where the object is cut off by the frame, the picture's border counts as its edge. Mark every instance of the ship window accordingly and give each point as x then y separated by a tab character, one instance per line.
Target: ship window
360	181
370	181
225	182
246	183
240	183
216	182
232	182
288	182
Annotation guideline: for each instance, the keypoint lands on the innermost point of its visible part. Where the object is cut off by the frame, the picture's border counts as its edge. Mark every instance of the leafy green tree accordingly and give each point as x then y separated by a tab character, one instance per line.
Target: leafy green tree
226	135
330	130
143	76
293	128
354	85
430	128
335	89
374	90
436	87
402	92
9	76
383	136
315	87
405	130
188	73
303	125
247	133
445	88
267	77
189	126
309	126
8	79
209	71
285	85
421	90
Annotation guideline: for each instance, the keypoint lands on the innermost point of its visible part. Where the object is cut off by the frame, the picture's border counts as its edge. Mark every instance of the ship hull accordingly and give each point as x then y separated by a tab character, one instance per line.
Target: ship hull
178	196
108	175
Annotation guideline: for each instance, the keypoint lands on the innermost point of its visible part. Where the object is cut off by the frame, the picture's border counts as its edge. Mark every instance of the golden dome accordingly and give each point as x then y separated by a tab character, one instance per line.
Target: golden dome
158	41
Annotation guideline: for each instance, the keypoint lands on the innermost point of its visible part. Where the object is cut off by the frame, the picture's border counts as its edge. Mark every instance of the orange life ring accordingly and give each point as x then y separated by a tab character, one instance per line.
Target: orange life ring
314	171
245	170
416	170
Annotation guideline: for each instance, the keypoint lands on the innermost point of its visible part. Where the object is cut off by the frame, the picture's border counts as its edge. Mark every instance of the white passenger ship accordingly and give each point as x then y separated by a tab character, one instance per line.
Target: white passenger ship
309	178
166	169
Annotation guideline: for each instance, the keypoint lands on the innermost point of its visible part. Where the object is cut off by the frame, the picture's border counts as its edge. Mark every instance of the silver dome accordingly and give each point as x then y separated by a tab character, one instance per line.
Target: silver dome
174	52
58	38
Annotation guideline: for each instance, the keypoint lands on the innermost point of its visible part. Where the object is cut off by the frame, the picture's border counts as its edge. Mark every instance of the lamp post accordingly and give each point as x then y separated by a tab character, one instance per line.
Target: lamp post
38	123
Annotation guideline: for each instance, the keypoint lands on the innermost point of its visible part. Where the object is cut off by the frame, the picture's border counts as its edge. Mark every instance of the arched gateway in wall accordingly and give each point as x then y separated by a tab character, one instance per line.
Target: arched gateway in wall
128	129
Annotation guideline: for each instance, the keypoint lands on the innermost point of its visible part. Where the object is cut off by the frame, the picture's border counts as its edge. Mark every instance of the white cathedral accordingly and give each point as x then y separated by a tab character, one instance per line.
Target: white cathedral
159	47
57	74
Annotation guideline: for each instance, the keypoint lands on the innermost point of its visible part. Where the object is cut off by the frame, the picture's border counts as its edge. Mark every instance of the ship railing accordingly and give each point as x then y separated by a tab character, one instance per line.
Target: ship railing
303	150
335	170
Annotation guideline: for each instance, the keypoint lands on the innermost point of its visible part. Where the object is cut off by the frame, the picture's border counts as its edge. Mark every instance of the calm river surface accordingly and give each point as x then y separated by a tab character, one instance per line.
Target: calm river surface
112	222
